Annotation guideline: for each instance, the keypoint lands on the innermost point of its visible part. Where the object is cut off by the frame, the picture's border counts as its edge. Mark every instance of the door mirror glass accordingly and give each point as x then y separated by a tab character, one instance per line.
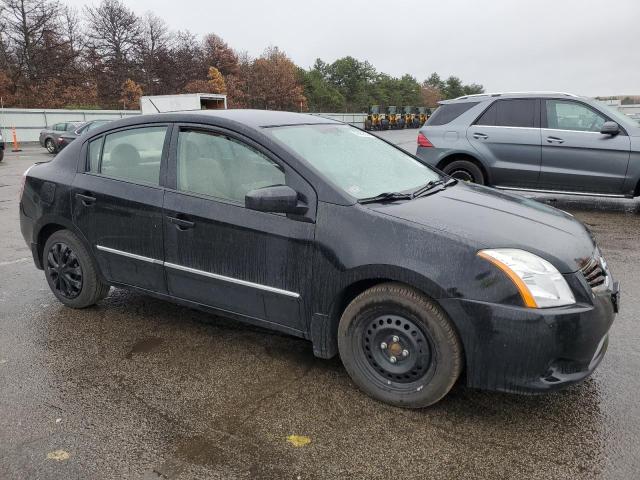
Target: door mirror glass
610	128
279	199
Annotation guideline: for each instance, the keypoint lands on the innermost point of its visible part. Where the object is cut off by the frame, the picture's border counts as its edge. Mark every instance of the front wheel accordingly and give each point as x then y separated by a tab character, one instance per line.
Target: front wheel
466	171
71	272
399	346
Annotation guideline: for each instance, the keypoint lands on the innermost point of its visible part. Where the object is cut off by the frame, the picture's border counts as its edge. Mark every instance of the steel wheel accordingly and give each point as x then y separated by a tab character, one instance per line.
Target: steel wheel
397	349
64	270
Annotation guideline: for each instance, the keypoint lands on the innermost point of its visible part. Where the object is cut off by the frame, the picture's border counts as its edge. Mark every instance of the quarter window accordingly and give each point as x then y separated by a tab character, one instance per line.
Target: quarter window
564	115
133	155
510	113
220	166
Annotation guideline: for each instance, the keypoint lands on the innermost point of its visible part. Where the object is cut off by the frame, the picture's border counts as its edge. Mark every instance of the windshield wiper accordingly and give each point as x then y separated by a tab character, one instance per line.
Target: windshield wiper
386	197
429	186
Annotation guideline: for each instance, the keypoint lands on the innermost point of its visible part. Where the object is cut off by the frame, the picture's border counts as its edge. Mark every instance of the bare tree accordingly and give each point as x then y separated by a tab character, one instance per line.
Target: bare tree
154	49
114	35
30	35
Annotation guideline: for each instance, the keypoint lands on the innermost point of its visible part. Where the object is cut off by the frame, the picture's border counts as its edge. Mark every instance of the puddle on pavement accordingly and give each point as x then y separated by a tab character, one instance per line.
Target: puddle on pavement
145	345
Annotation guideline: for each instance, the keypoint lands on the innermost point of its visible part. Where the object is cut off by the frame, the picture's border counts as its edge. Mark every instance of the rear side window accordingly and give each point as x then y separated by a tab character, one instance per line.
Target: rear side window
510	113
447	113
60	127
133	155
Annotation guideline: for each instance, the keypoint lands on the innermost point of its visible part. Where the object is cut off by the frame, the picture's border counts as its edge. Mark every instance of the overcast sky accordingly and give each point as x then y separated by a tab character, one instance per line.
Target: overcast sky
589	47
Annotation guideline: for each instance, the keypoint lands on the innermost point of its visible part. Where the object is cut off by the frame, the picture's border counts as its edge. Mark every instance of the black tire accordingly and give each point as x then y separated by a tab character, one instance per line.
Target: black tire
420	334
1	154
71	271
50	145
465	170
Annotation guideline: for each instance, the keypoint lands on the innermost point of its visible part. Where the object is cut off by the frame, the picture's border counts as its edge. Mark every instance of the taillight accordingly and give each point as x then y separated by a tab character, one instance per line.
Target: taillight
24	180
424	141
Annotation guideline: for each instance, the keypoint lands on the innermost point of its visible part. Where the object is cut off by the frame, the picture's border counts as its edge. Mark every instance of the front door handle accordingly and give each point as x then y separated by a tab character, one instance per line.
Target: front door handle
87	200
554	140
181	224
480	136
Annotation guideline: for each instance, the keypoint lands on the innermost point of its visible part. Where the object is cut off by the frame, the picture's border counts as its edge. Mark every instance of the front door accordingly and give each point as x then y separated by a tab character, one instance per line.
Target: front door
576	156
117	205
507	137
222	255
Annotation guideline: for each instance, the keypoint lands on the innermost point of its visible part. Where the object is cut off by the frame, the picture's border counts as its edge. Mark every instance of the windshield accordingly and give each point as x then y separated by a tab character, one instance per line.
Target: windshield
359	163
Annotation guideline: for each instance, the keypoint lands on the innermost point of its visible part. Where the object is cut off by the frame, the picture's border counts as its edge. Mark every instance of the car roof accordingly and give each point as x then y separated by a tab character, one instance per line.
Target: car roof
252	118
479	97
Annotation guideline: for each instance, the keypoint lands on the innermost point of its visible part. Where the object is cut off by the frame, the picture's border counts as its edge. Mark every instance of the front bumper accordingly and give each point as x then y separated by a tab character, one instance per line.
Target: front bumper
523	350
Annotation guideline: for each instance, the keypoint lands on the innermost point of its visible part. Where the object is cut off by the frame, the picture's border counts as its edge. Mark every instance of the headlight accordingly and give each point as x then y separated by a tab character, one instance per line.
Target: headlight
539	283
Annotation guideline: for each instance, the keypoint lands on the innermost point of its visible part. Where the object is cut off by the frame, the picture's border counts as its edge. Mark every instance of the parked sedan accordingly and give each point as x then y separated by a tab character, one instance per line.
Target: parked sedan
67	137
49	136
323	231
546	142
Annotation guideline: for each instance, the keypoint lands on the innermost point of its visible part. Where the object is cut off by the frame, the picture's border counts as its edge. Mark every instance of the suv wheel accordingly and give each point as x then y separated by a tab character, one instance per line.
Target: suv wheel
399	346
466	171
50	145
71	272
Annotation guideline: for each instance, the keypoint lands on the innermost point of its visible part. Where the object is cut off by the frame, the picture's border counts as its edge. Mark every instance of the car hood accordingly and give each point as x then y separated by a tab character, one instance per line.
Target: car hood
487	218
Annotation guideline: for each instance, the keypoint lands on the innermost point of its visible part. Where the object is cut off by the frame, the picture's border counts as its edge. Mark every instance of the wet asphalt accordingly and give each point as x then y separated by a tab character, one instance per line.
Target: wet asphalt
140	388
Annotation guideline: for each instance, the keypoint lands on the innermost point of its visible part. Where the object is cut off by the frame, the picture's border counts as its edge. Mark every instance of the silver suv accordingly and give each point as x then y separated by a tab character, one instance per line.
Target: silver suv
549	142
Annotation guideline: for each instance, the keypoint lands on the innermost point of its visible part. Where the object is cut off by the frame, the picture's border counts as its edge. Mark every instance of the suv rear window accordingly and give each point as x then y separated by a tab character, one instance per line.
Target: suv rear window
448	112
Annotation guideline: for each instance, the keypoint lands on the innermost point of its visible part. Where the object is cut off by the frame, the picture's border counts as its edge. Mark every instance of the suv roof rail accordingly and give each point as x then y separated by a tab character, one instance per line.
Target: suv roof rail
498	94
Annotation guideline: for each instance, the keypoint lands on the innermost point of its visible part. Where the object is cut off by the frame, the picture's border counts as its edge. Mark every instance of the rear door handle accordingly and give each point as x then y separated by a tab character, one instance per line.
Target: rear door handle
87	200
554	140
479	136
181	224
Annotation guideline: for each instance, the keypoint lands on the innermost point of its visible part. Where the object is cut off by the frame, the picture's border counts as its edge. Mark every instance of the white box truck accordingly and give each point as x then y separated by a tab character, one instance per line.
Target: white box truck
182	102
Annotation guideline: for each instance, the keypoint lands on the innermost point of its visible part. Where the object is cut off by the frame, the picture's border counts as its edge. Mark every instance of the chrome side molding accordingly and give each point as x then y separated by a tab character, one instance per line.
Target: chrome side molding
203	273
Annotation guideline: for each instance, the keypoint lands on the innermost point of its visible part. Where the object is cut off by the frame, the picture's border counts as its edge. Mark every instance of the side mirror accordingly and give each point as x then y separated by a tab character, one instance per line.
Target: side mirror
610	128
279	198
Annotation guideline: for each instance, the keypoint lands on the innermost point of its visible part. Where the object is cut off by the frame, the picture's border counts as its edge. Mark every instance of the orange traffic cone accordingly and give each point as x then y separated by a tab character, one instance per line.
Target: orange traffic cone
16	145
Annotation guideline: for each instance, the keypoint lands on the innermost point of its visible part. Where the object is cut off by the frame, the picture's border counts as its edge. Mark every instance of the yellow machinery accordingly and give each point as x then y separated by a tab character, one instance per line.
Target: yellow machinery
409	117
394	118
423	115
374	119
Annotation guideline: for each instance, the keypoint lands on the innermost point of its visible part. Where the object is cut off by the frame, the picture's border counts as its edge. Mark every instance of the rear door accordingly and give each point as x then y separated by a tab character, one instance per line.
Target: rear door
507	136
219	253
575	155
117	204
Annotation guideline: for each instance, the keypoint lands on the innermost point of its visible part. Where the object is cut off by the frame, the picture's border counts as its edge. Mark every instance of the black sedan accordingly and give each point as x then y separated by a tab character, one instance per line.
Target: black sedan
66	138
320	230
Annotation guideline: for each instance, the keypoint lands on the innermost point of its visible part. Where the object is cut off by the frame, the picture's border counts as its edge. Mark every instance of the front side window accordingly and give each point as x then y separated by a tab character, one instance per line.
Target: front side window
510	113
567	115
220	166
132	155
355	161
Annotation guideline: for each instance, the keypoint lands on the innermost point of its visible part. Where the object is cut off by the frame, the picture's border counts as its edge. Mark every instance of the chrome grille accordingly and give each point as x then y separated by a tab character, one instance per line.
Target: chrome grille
594	272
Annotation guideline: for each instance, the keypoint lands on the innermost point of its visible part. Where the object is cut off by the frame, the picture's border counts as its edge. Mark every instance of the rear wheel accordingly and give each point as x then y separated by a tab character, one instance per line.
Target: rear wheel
399	346
50	145
71	272
466	171
1	154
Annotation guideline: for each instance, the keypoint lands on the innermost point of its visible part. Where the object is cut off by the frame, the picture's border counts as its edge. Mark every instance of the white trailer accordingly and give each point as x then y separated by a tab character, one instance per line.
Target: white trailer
182	102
